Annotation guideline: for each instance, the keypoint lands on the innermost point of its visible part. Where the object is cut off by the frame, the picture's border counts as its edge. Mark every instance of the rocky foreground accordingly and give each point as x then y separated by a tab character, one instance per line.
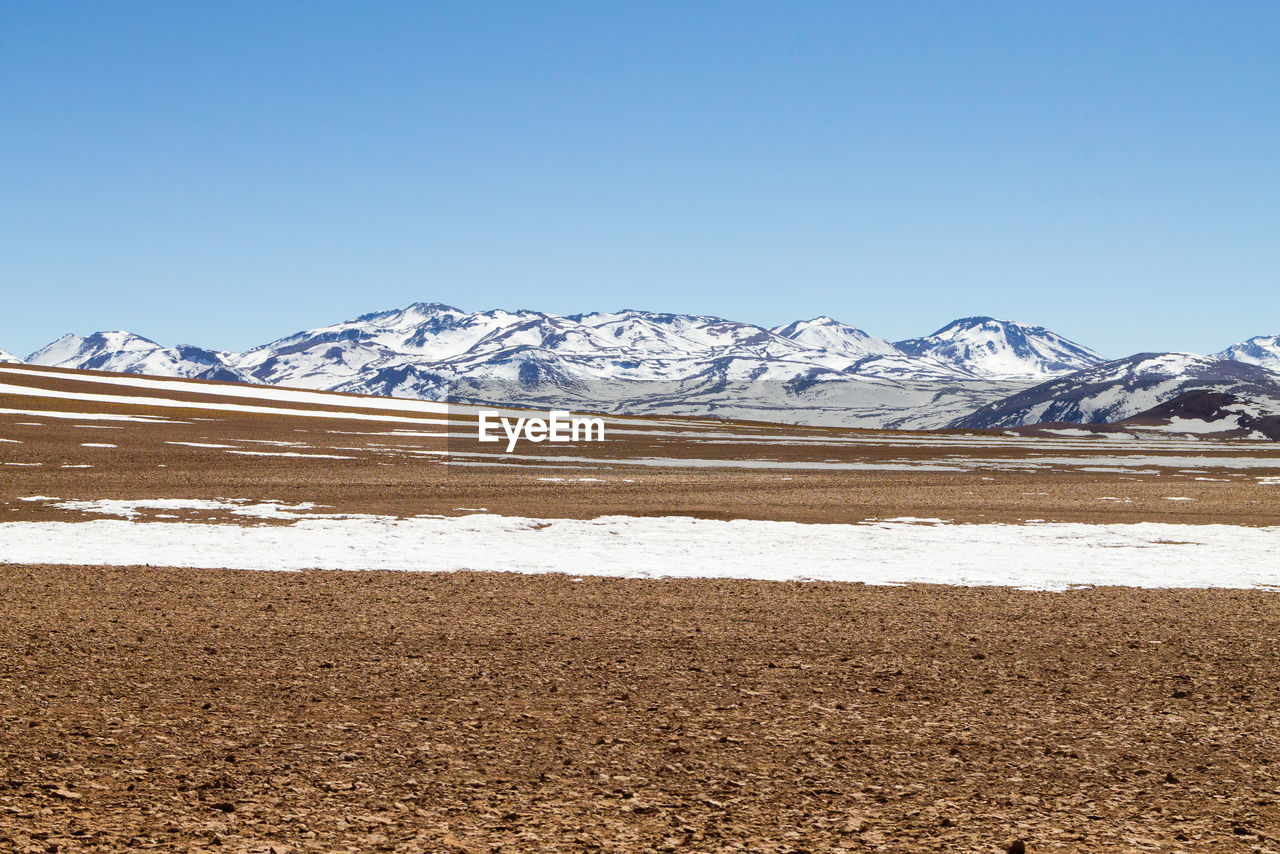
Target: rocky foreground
197	710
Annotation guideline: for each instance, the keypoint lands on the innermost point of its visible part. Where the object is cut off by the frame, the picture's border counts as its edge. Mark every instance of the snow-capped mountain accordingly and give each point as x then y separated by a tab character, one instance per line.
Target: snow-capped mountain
825	333
975	372
817	371
628	361
1002	348
430	340
1117	390
1261	350
125	352
8	357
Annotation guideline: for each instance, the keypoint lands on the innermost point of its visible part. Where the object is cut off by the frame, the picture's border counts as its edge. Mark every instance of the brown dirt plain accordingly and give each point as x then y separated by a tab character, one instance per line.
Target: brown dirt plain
146	708
399	467
210	710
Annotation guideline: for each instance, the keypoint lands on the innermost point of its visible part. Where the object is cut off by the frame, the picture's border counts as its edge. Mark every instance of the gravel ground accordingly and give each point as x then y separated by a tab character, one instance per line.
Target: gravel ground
196	710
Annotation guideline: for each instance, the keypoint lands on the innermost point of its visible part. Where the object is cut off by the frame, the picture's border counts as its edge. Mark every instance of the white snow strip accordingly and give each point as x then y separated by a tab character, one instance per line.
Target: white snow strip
949	463
1177	424
235	506
1051	556
400	434
277	442
170	403
89	416
277	393
691	462
1098	463
292	454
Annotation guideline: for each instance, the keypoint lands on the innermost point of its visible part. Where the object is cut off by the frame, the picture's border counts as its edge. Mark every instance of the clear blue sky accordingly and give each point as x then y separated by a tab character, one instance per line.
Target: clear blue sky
224	173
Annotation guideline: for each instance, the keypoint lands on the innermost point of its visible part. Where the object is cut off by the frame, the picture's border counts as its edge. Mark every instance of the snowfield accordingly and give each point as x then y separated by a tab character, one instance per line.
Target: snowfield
1054	556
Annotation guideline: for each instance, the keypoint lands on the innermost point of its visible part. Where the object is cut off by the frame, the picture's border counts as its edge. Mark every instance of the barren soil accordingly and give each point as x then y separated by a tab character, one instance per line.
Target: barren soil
227	711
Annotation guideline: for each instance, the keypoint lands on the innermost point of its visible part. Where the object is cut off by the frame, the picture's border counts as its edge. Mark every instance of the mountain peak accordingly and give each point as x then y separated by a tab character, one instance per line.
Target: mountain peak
974	322
128	353
1262	350
1002	348
434	307
827	333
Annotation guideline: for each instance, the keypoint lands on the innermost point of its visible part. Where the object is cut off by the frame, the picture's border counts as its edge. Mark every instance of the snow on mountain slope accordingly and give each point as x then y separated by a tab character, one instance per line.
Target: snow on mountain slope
127	353
8	357
432	336
825	333
675	333
1117	390
816	371
1209	413
421	350
1001	348
737	387
1261	350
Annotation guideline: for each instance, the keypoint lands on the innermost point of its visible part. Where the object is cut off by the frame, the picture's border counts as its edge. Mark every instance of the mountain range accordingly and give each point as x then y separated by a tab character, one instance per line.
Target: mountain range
973	372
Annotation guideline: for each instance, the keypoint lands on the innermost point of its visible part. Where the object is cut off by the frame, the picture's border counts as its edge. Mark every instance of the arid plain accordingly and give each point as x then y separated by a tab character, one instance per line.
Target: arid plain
199	708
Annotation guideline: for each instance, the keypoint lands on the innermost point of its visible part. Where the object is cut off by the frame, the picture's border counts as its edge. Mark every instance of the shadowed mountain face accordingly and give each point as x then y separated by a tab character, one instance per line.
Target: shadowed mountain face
1212	411
976	371
1117	390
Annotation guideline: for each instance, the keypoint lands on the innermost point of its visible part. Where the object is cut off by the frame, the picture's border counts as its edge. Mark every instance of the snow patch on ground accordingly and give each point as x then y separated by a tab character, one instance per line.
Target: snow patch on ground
172	403
288	395
1047	556
292	454
89	416
235	506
